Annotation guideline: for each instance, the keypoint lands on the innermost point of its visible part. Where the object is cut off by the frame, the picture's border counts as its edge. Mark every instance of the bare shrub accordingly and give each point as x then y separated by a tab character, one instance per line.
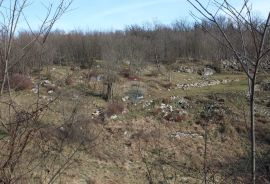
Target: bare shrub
176	117
114	108
168	85
69	80
125	72
82	130
20	82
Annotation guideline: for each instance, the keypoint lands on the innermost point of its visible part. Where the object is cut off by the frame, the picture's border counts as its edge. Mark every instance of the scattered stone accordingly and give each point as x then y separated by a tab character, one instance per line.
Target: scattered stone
204	83
230	65
185	69
166	108
179	135
147	103
96	113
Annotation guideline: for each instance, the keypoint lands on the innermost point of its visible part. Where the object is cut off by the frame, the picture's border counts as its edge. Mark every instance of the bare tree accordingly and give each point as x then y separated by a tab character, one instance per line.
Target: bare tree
22	124
253	51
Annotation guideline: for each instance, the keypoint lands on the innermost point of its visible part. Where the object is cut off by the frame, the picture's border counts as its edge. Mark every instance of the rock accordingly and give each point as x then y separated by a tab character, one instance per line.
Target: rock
50	92
114	116
208	72
124	99
35	90
140	97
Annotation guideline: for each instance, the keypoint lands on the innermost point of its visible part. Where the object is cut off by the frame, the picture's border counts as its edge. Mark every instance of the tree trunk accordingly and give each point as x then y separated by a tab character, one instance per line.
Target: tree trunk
252	131
109	91
205	152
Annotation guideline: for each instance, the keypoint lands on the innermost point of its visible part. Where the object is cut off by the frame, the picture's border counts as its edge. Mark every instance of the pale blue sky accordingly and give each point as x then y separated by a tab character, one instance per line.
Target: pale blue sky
116	14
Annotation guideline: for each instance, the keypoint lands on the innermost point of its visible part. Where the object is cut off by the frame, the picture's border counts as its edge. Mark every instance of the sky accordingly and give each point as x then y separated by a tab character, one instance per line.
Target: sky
107	15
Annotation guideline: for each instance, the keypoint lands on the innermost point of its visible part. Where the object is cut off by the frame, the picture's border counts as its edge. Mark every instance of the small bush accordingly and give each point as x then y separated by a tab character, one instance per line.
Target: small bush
114	108
87	63
125	72
69	80
81	130
176	117
167	85
20	82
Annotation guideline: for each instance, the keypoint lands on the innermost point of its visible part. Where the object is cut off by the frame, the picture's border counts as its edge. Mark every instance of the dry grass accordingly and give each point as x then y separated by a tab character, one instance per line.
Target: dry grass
116	157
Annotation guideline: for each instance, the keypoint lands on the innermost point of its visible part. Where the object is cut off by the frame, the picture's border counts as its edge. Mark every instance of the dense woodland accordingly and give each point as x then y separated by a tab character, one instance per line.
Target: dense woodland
154	43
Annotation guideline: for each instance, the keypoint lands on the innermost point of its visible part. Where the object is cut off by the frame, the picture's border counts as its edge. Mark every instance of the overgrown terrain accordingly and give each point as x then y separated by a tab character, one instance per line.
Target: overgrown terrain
153	130
187	102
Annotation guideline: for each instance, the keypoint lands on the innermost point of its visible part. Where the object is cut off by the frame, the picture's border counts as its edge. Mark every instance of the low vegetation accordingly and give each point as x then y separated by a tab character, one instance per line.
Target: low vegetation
159	105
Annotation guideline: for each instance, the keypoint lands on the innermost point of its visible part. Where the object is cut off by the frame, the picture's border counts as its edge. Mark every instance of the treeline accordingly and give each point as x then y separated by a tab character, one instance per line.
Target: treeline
155	43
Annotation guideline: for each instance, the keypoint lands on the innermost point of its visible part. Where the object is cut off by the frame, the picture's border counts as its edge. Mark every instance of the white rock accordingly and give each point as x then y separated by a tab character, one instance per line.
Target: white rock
114	116
35	90
124	99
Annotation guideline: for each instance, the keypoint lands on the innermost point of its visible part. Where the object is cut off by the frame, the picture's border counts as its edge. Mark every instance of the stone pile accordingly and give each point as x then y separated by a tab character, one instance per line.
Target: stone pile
201	84
186	69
